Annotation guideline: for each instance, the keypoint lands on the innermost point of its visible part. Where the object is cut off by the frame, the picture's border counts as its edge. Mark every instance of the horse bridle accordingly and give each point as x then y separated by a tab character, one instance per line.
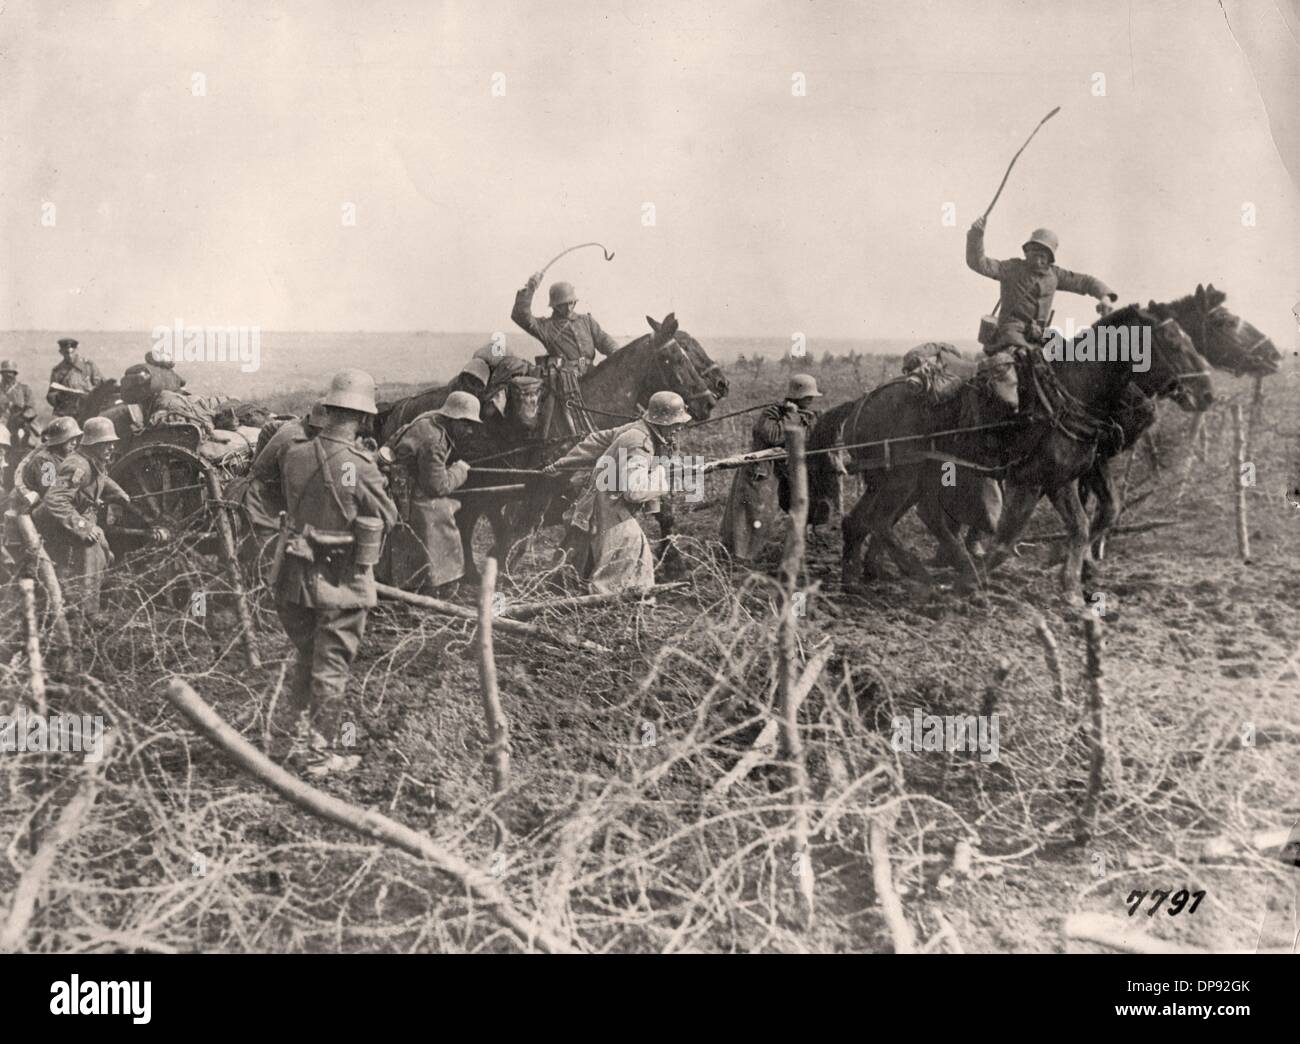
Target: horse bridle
1252	353
672	345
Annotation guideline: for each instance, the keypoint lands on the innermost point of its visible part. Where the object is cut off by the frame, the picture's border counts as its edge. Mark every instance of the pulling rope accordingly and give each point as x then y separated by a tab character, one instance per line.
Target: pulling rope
762	456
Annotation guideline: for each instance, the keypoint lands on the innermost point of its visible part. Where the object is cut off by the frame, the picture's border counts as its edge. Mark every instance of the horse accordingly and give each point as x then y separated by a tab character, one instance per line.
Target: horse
613	392
1226	341
1076	410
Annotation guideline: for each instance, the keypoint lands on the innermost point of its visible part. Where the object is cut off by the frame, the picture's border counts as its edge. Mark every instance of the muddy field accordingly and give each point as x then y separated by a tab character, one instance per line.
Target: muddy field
651	805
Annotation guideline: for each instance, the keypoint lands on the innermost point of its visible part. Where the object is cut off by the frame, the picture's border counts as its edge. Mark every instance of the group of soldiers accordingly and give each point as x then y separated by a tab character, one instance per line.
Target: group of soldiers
321	496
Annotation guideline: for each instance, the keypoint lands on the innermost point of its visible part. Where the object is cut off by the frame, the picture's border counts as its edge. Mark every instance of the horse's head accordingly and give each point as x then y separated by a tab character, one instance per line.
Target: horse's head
1176	370
1226	340
709	371
673	369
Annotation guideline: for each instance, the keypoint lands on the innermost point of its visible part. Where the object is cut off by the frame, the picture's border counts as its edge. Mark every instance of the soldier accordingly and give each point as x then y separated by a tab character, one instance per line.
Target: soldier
629	479
35	472
324	586
162	405
162	371
18	417
571	342
17	411
1028	286
425	550
750	497
68	516
71	380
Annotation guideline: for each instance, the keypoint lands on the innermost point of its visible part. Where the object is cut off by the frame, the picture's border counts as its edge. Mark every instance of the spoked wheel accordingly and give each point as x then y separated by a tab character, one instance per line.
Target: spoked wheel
169	499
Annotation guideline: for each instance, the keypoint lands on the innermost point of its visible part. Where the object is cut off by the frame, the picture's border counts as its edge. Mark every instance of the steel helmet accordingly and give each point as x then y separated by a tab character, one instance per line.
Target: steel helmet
562	293
352	390
1044	237
61	430
99	429
460	405
8	366
476	367
666	407
802	386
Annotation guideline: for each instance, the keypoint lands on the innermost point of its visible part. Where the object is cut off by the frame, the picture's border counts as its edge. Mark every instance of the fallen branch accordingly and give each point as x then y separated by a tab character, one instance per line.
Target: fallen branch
498	728
525	610
34	879
394	594
882	876
362	821
1052	654
1096	727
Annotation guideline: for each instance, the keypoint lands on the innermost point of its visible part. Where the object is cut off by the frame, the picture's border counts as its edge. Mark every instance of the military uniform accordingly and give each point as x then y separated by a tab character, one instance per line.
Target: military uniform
1024	305
327	483
68	521
82	375
573	341
425	550
1025	302
628	483
18	410
754	498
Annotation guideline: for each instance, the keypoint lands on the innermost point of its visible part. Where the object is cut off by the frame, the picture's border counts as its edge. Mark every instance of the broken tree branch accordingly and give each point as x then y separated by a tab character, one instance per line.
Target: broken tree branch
366	822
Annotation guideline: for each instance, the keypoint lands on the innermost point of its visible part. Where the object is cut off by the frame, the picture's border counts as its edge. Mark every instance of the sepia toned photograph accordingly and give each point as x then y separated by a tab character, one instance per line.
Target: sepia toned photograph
642	477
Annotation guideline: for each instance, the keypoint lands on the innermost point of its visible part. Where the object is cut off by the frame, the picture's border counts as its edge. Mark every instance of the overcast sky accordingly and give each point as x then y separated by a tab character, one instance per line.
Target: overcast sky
773	213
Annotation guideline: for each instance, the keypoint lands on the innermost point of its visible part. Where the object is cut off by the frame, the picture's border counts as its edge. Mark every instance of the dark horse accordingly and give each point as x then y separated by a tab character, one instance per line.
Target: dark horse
666	359
1226	341
1073	418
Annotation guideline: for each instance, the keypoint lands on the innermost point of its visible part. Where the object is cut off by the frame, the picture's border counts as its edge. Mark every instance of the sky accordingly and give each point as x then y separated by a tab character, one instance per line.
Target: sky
197	160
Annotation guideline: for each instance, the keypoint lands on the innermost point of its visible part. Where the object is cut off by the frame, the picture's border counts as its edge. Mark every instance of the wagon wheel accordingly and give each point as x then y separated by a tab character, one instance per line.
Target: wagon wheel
167	489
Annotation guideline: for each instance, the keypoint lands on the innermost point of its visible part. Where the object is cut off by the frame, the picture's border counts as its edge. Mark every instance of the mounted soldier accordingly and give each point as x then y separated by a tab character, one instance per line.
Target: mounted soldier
162	371
71	380
18	415
628	478
571	341
1028	286
425	551
324	586
163	405
68	516
750	503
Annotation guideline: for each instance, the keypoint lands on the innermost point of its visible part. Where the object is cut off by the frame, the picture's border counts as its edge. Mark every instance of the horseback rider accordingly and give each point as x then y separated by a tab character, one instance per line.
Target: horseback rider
1028	286
163	405
68	517
425	552
745	503
162	371
629	478
75	378
324	586
571	341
